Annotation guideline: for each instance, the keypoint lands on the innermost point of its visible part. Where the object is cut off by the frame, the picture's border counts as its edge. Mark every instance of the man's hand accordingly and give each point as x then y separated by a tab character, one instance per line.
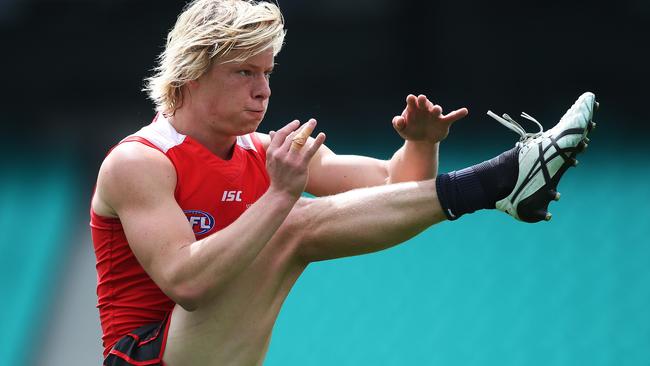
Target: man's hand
289	154
422	121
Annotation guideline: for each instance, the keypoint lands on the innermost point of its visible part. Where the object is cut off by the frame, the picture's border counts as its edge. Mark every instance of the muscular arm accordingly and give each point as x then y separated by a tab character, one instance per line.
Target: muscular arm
330	173
137	183
422	126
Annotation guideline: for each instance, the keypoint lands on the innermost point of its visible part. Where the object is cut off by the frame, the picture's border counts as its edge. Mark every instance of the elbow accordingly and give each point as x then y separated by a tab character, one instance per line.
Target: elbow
186	296
187	293
302	230
385	172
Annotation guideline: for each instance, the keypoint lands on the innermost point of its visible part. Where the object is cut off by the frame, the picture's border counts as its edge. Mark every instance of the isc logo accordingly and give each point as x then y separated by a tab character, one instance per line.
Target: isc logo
201	221
231	196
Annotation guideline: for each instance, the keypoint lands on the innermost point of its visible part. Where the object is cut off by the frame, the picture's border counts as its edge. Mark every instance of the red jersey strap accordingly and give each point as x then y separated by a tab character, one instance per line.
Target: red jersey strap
258	145
141	140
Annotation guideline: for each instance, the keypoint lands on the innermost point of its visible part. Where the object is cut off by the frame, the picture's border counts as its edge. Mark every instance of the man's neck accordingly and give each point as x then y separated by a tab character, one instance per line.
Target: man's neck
218	144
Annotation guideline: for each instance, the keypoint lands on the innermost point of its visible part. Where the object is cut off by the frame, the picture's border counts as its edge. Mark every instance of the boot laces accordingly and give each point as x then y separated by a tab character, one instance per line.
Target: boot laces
510	123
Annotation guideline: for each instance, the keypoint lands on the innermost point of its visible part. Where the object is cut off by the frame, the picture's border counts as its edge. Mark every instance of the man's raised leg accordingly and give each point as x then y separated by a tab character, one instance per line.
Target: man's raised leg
235	329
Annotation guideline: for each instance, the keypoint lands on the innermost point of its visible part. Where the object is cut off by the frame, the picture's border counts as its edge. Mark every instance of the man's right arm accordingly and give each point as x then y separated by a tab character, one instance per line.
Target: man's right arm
137	183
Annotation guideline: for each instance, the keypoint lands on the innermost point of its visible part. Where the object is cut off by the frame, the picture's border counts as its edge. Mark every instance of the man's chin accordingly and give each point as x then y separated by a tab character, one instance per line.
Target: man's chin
250	125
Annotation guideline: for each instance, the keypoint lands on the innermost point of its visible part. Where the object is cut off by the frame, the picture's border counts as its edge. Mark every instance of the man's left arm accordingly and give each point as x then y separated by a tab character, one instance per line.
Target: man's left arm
422	125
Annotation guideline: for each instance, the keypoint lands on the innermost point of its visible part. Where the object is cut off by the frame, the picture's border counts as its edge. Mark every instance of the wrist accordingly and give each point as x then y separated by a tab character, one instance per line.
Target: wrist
422	144
421	149
282	196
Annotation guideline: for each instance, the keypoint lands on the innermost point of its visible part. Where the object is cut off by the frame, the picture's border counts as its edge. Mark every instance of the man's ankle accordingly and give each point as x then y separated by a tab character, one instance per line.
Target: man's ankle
479	186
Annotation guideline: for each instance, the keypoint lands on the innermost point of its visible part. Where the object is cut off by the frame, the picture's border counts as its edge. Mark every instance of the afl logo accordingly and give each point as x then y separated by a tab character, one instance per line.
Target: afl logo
201	221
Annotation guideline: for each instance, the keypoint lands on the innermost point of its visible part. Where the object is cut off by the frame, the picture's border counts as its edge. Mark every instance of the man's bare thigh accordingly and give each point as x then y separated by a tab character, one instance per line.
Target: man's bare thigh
235	328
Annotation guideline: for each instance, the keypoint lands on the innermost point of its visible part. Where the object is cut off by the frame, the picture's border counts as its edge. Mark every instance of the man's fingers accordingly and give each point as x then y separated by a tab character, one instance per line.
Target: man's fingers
430	105
436	111
302	135
455	115
278	138
288	141
411	101
311	150
422	102
399	123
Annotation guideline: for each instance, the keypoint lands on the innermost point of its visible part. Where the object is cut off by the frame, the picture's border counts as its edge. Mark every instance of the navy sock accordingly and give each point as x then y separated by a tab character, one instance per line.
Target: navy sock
479	186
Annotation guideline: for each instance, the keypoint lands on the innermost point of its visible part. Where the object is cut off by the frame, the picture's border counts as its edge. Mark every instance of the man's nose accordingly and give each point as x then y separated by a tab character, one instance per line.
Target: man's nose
262	88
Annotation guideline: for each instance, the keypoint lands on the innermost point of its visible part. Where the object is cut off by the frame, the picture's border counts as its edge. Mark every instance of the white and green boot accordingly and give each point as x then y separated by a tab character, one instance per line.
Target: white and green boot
544	157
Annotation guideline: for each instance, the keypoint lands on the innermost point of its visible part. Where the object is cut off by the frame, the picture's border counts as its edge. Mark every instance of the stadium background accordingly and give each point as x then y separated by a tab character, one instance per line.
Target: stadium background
483	291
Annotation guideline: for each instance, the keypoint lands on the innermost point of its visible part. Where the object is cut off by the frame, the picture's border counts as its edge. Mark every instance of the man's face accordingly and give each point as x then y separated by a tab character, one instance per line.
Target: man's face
232	97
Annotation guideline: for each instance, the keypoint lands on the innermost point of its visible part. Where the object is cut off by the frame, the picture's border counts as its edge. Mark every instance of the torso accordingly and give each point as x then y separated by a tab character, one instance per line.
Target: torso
236	329
213	193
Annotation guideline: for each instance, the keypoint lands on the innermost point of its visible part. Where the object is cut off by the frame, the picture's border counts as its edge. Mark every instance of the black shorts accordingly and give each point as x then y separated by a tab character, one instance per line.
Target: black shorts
142	347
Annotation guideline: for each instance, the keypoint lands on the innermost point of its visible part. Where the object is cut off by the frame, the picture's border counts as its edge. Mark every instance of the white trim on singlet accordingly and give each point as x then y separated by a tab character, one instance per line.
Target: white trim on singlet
161	133
246	142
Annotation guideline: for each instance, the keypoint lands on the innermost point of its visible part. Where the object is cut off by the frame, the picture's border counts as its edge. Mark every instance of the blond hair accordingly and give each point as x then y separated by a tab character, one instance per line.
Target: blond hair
210	31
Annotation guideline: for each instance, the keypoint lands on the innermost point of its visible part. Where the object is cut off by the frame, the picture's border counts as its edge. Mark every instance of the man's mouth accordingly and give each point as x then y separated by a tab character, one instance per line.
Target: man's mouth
256	112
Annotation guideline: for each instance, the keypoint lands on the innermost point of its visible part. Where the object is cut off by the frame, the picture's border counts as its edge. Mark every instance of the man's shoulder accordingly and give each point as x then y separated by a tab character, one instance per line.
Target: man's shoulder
159	134
133	153
132	162
132	169
263	139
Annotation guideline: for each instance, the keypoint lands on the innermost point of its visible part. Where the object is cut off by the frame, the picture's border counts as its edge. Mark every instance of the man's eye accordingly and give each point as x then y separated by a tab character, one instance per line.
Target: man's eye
244	73
268	74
